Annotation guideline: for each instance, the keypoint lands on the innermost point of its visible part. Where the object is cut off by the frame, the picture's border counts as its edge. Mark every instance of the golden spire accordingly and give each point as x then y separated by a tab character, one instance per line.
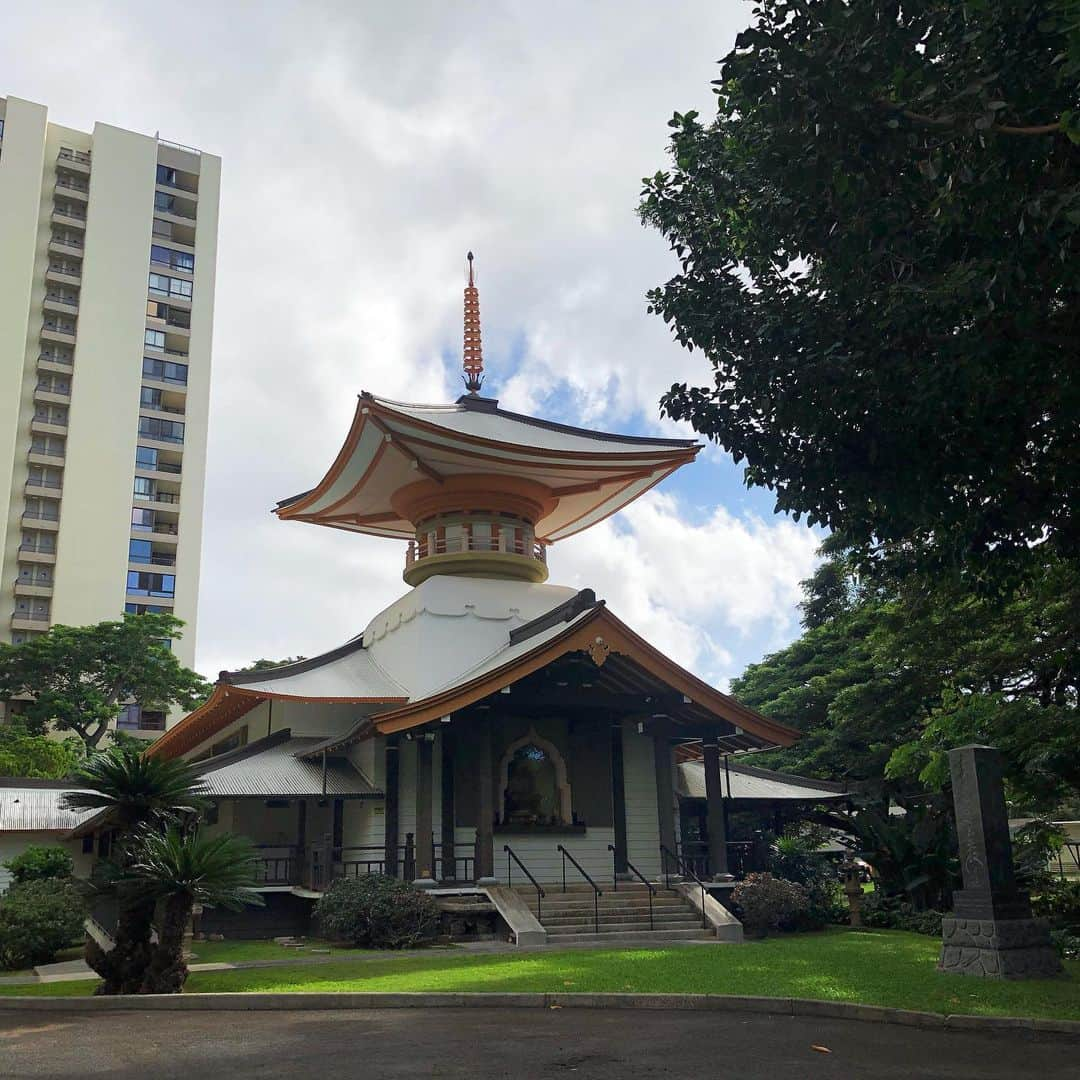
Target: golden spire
473	356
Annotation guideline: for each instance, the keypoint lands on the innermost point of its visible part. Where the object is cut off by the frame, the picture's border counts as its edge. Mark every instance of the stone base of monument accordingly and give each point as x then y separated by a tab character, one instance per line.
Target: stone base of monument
998	948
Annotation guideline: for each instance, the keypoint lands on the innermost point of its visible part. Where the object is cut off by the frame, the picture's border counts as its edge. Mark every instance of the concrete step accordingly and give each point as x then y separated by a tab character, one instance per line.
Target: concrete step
643	909
637	937
616	918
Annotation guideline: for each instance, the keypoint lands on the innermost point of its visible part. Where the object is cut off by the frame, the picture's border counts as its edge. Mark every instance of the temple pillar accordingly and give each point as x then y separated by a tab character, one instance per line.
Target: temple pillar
665	793
485	805
618	799
391	760
425	837
448	817
716	815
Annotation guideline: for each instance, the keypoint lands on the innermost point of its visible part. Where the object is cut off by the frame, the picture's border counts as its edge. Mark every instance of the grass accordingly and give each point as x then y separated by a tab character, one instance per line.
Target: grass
874	967
232	952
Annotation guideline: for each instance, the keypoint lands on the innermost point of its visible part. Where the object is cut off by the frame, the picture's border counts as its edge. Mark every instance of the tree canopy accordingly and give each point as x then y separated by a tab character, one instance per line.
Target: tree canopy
78	678
878	235
886	679
23	753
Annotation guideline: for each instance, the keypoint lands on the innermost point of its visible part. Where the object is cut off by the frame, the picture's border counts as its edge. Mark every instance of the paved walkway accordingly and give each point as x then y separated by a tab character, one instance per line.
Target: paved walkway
522	1044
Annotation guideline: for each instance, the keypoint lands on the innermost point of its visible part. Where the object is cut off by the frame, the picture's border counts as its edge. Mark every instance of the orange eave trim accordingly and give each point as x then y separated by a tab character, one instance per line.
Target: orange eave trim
228	703
622	640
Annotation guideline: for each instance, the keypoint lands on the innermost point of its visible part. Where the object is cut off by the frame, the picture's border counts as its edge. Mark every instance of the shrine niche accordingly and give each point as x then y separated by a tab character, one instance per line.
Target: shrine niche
534	784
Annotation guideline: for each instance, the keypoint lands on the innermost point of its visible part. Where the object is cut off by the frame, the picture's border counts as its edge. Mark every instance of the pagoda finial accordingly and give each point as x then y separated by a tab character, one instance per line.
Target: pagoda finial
473	356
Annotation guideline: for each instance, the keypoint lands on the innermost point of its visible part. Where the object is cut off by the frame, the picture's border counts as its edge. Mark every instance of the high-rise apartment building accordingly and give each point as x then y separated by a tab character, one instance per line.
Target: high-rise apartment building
107	257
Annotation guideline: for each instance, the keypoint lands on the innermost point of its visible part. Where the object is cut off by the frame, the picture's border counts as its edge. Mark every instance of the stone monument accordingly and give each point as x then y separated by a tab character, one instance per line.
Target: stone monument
991	931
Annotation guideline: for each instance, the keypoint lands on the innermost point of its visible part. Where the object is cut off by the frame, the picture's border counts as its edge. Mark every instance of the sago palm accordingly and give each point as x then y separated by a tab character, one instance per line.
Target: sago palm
182	868
136	789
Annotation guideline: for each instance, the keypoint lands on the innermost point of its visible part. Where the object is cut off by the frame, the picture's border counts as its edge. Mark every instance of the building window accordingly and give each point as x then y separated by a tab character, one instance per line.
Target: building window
146	457
155	339
145	609
165	370
166	176
232	742
142	520
139	551
135	718
144	489
176	260
143	583
151	427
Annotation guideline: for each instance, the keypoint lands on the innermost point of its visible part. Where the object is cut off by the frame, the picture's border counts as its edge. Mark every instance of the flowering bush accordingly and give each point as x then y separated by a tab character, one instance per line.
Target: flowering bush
768	903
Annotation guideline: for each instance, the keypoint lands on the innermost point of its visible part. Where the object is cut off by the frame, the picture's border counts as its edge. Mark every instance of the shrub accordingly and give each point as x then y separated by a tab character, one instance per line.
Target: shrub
795	857
37	920
767	903
38	863
1059	901
376	912
891	913
1067	945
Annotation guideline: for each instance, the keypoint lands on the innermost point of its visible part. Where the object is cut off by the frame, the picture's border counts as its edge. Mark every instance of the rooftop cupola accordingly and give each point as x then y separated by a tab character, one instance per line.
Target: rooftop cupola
476	490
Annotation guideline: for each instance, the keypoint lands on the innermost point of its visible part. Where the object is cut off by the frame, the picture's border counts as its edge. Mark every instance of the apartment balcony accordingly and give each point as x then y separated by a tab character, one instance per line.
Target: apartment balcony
32	553
52	455
33	588
162	411
51	396
51	426
51	365
41	485
29	620
68	217
150	598
161	533
160	500
156	561
165	470
73	161
35	519
63	303
66	245
62	273
170	326
59	333
175	189
72	187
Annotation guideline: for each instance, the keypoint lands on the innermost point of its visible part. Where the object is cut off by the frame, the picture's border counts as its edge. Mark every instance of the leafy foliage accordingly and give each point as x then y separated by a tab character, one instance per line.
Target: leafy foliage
23	753
376	912
884	912
767	903
886	679
796	857
136	789
180	868
40	863
79	677
913	855
38	918
878	236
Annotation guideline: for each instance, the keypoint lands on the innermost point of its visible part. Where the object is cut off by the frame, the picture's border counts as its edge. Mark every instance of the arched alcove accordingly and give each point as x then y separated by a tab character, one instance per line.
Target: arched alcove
534	784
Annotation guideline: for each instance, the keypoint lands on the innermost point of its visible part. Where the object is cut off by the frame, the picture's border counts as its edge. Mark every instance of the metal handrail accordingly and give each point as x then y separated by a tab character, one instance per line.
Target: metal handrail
688	873
597	891
511	854
637	873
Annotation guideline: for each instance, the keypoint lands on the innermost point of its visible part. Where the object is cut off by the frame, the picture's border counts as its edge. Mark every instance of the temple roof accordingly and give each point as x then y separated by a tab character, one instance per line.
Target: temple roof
741	781
426	664
395	452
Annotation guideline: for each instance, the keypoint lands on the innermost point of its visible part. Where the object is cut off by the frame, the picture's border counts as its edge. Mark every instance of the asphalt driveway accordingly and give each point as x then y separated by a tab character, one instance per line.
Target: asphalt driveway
517	1043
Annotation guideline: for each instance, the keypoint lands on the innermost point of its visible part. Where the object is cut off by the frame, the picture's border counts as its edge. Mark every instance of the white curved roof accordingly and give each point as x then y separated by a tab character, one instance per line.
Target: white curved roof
739	781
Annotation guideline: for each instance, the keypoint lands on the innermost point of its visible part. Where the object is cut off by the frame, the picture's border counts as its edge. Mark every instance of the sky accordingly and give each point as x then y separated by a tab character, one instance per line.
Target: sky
366	147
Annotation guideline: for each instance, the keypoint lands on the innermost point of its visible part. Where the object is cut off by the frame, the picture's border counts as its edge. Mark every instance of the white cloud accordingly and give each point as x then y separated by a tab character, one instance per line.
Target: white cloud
365	149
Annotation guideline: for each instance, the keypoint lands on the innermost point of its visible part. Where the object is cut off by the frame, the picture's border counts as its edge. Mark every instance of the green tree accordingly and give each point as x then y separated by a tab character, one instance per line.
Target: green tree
884	682
23	753
137	794
78	678
180	868
264	665
878	236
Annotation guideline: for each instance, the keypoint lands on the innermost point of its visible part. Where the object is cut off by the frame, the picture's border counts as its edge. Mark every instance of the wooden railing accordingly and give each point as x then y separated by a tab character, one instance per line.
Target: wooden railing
496	545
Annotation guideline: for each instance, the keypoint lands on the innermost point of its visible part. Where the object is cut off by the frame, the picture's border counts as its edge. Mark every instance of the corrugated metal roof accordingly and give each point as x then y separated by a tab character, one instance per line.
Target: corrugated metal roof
748	783
270	768
37	809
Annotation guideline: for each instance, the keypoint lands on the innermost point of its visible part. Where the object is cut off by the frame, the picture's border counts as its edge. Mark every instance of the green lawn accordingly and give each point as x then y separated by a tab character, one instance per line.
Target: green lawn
875	967
231	952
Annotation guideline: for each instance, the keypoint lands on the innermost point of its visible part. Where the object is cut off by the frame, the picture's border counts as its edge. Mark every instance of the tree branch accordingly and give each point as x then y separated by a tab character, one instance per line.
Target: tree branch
949	120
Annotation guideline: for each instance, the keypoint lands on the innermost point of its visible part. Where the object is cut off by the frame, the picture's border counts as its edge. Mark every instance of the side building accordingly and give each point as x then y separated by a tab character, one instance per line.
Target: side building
108	245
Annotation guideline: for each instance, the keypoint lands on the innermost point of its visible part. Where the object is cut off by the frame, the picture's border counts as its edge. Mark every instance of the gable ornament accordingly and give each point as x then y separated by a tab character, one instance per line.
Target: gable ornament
599	650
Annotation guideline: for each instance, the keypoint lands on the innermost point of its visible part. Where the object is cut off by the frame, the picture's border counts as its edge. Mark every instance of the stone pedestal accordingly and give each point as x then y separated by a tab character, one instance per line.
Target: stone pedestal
998	948
991	932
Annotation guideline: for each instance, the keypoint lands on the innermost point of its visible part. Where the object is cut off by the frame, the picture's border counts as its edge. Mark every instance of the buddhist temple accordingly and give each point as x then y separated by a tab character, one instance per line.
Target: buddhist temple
489	730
